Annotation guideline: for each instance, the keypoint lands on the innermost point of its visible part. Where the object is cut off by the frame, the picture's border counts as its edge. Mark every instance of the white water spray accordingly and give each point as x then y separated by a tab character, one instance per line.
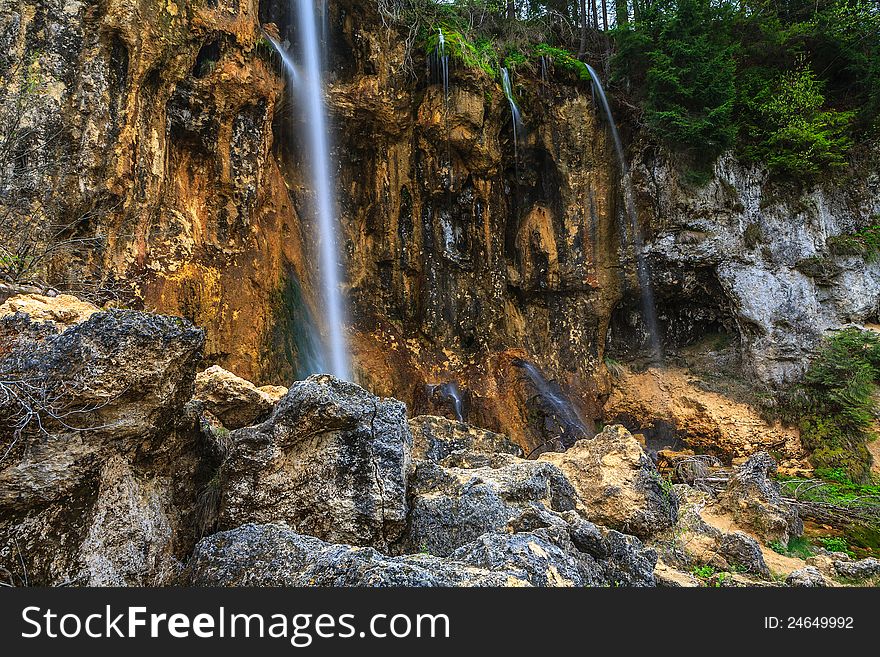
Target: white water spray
514	110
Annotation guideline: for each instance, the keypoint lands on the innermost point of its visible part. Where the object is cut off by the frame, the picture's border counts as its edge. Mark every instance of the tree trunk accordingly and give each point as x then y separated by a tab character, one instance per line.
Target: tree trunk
621	12
584	20
604	15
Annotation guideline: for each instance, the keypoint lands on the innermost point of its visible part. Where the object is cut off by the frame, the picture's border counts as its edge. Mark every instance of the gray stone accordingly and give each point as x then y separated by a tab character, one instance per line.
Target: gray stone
331	461
435	438
806	577
756	503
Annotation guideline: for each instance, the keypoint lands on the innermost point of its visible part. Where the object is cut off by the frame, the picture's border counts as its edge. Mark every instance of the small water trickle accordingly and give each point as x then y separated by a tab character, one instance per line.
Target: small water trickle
643	274
514	111
565	413
449	392
545	69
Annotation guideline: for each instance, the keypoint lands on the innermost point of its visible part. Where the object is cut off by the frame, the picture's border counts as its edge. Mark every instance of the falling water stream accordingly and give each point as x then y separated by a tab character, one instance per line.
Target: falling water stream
649	313
307	86
514	110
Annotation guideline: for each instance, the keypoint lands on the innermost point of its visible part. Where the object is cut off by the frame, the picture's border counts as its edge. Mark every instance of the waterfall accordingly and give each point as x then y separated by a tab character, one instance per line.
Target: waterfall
322	178
514	110
443	62
307	85
449	392
643	274
565	413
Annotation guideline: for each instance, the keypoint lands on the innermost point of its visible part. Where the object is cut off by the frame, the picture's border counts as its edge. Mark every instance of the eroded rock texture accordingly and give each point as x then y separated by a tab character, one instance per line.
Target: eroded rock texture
101	467
331	461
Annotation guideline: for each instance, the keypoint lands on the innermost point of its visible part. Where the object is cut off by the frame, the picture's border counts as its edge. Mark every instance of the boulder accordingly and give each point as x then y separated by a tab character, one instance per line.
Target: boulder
236	402
101	467
693	541
455	502
275	555
756	504
435	438
806	577
862	571
617	483
331	461
63	310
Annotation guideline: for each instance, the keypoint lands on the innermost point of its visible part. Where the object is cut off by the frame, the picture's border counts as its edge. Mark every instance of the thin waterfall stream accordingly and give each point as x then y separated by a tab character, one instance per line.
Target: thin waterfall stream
307	86
643	274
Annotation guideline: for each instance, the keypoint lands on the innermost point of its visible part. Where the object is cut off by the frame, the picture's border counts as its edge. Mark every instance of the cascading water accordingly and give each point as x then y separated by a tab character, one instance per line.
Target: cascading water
307	86
564	412
443	67
514	110
449	392
649	313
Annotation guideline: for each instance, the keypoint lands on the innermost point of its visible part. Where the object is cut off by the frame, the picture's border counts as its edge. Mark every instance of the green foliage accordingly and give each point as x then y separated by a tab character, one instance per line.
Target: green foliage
864	243
474	53
836	403
703	572
797	546
686	54
792	84
835	544
795	135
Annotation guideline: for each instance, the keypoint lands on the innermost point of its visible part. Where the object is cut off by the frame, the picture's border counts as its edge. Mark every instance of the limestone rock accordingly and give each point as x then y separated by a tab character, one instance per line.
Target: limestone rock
756	503
64	310
331	461
617	483
693	541
435	438
274	555
864	570
806	577
452	503
101	473
236	402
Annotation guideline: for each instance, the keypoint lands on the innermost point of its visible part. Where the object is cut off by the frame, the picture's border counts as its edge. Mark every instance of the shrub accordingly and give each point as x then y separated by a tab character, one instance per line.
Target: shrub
864	243
837	403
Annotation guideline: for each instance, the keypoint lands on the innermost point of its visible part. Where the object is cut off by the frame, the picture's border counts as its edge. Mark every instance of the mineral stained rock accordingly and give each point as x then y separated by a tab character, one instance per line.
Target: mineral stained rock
617	483
100	474
234	401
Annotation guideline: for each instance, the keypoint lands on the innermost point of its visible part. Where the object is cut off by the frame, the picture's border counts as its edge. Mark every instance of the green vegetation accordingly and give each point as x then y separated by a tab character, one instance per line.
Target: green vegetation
799	547
864	243
790	83
703	572
835	544
834	406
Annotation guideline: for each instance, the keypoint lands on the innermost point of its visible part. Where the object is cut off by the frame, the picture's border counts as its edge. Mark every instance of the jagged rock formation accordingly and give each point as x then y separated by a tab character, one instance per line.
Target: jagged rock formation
756	503
112	473
101	465
751	257
234	401
159	140
331	461
618	483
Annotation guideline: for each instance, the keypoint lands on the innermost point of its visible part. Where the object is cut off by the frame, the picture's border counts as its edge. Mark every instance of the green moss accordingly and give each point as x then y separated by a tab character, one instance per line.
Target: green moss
864	243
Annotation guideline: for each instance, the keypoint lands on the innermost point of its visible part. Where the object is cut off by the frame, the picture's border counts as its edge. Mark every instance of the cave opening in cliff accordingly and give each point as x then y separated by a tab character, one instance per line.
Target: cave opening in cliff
694	313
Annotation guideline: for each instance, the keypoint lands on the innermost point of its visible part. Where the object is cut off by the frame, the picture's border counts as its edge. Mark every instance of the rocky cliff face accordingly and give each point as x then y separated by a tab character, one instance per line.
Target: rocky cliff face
113	473
161	148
